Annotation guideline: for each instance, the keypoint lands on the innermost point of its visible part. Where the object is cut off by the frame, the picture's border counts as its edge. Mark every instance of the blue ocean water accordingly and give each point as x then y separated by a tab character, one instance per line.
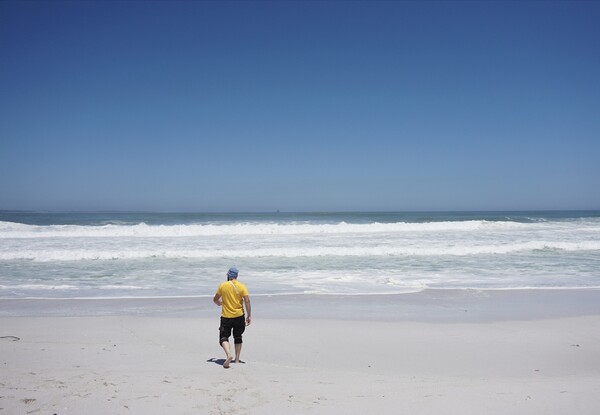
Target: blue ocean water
130	254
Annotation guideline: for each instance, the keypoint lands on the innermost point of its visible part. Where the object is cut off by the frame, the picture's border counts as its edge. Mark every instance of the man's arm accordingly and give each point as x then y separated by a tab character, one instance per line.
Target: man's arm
248	310
217	299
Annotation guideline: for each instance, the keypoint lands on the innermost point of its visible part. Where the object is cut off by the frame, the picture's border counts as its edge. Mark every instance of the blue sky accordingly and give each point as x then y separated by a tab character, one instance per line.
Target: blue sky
258	106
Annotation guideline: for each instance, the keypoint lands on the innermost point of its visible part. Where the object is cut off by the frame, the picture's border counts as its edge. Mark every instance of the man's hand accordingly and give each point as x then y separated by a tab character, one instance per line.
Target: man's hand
248	321
217	300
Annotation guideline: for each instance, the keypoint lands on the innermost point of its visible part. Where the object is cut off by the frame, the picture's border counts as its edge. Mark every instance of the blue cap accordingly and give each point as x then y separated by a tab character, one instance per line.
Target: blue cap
232	273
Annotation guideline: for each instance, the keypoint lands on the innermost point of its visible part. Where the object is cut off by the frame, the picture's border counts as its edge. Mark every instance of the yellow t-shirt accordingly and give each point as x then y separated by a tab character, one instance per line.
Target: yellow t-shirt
232	300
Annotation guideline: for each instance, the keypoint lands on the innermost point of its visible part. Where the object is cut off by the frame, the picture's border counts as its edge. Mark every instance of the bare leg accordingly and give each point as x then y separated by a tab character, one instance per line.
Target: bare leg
238	350
225	346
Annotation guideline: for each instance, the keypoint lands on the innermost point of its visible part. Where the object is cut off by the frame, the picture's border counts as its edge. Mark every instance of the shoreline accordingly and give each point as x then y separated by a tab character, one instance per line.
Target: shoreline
436	305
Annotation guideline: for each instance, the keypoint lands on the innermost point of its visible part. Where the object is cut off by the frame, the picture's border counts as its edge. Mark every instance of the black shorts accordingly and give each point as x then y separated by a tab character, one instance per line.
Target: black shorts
237	324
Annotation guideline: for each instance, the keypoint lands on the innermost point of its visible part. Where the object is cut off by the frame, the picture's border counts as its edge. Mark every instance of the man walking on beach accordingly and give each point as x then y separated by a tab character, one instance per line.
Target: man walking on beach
232	296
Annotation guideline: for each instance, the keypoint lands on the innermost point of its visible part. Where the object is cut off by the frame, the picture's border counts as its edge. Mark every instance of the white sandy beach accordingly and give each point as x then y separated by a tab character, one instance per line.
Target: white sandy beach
126	364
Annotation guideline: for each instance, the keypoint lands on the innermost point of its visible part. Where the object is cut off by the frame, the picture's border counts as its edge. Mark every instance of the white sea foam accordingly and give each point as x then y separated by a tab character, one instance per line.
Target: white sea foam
286	257
297	252
42	287
15	230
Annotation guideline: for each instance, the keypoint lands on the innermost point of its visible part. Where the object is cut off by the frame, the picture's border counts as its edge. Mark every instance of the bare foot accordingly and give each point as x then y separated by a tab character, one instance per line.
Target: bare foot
227	361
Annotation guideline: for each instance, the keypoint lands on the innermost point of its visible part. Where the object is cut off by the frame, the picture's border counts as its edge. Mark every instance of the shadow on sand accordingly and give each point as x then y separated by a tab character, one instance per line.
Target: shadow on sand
221	362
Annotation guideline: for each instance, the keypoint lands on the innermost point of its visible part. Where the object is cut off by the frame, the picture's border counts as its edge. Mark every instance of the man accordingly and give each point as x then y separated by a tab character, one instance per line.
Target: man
232	296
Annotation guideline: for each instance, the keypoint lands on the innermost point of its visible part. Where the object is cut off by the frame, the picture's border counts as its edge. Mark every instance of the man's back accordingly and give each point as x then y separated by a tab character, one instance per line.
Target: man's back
232	293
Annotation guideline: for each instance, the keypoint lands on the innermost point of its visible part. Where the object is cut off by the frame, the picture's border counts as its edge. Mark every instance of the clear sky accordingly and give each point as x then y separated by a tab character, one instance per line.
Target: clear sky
258	106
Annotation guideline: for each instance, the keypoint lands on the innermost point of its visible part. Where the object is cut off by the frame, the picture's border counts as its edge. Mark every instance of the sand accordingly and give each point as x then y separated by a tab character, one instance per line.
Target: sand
478	361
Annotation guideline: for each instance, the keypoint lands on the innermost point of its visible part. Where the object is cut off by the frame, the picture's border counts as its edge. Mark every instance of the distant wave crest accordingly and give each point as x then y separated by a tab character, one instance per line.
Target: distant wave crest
296	252
142	230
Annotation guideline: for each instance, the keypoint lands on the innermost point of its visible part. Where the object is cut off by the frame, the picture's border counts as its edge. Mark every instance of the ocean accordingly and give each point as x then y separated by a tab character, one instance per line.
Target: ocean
150	255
